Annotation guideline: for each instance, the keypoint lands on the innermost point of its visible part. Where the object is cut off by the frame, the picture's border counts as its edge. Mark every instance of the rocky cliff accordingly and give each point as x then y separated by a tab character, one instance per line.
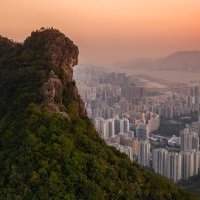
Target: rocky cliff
55	56
49	150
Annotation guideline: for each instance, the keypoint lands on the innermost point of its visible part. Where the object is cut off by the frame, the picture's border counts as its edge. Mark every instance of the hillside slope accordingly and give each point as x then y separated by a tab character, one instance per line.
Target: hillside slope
178	61
182	60
49	150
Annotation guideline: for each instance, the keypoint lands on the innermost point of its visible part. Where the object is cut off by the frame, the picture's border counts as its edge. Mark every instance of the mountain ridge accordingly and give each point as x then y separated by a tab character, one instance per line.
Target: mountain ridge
180	60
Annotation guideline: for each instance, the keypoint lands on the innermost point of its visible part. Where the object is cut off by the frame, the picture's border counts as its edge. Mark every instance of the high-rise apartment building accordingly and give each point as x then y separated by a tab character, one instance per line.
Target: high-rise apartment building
189	140
174	166
197	162
159	161
187	164
100	126
144	153
110	128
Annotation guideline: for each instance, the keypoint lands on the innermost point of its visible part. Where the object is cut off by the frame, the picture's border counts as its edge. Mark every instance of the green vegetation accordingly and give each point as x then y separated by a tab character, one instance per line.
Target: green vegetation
45	155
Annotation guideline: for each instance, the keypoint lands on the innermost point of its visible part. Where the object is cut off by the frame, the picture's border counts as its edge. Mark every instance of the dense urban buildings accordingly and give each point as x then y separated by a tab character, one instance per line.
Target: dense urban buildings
128	116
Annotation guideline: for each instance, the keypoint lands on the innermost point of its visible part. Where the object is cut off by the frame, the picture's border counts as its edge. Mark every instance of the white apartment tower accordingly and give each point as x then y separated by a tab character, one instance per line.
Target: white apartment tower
159	161
187	164
197	163
124	125
144	153
110	128
189	140
174	166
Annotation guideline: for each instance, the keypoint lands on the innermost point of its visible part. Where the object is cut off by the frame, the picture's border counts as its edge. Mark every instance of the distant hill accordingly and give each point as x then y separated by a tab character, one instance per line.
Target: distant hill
182	60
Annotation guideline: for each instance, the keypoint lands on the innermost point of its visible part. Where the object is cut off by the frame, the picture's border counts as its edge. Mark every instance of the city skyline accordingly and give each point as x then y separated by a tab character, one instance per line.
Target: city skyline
158	129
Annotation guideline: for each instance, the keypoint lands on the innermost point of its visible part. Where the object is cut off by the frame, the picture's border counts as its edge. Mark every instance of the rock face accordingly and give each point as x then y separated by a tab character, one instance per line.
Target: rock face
52	91
61	52
6	45
56	55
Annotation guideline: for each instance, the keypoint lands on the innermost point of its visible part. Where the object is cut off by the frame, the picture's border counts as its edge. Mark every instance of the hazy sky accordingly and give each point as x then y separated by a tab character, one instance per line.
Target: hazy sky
108	31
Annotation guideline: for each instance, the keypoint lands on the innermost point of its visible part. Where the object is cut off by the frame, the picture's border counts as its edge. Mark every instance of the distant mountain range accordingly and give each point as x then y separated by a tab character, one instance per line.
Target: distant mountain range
181	60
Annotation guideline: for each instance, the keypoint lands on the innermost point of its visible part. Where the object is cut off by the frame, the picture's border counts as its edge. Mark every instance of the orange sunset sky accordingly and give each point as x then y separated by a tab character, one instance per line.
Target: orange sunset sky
109	31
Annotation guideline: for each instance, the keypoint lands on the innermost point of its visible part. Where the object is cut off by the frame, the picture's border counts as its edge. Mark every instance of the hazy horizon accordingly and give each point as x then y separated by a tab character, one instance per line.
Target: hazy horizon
109	31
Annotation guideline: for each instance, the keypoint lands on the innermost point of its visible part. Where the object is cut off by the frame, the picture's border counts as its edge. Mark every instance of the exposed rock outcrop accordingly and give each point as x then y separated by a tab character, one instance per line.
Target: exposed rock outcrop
55	56
52	92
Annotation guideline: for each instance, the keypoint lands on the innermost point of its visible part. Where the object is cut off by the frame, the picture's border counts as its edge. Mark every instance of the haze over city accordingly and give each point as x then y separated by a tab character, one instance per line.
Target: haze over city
109	31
